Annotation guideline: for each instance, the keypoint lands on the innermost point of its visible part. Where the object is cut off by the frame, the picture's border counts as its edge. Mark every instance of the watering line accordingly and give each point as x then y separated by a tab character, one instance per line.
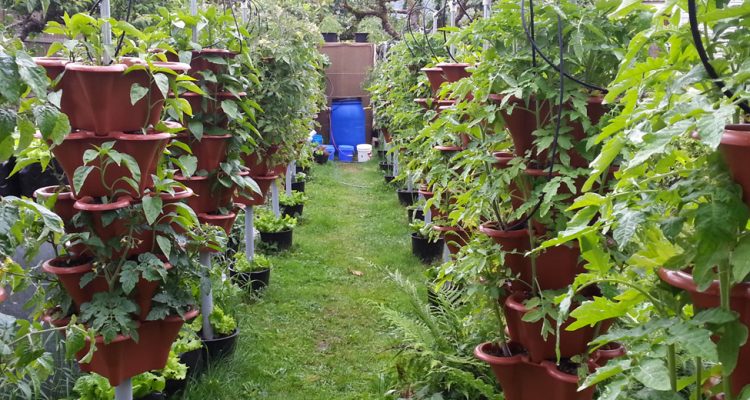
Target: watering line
698	42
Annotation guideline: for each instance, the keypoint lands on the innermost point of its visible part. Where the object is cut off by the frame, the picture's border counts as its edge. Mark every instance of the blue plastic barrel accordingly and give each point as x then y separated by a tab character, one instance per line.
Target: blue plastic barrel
317	139
346	153
331	151
347	122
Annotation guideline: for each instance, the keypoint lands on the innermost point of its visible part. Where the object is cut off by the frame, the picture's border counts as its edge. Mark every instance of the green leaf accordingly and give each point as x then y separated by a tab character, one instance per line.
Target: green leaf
80	175
230	108
653	374
137	92
53	125
627	223
613	368
162	82
740	259
152	206
129	278
10	79
164	244
188	164
733	337
32	74
196	128
26	131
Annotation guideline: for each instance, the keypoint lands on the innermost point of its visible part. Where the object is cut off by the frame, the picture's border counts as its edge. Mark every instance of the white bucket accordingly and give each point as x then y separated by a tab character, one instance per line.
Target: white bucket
364	152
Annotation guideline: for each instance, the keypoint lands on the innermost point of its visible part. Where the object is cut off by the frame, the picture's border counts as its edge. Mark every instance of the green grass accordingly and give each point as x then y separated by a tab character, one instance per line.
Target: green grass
315	334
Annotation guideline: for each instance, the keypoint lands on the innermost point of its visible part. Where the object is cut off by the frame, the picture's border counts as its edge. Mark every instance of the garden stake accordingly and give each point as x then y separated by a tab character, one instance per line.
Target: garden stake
275	199
124	391
249	234
207	301
106	31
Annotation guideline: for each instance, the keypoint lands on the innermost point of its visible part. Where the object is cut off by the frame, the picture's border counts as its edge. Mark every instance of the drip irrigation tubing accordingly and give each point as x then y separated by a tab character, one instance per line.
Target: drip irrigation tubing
547	60
693	17
122	35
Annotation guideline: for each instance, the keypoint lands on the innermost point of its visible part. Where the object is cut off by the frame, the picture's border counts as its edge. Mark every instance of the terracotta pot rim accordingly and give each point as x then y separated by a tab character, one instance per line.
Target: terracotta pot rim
211	50
448	149
490	229
736	135
684	280
99	69
51	61
446	228
514	302
180	177
481	352
212	217
49	191
180	194
230	95
86	203
432	69
76	269
217	338
85	135
3	295
265	177
536	172
553	371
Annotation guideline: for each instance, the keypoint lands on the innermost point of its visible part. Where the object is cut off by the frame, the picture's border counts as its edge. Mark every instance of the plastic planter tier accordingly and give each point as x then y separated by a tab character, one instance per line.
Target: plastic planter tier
210	195
145	149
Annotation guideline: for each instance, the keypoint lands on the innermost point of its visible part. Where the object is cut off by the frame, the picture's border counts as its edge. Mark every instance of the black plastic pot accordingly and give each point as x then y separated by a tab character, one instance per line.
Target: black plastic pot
292	211
254	281
414	214
32	178
330	37
281	240
385	166
304	170
219	347
8	185
321	158
424	249
407	197
381	153
299	186
389	178
153	396
361	37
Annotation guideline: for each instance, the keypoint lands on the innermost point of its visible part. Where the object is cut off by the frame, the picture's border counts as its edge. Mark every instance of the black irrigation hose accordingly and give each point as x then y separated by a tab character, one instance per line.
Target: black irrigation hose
94	6
558	125
547	60
693	16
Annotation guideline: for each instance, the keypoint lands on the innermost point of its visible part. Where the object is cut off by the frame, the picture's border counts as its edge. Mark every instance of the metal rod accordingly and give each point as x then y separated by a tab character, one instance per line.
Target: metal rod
275	198
104	11
124	391
249	234
207	300
194	11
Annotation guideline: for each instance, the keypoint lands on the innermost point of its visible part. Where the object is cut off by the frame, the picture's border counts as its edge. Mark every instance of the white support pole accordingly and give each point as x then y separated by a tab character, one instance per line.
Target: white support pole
289	175
487	13
105	13
409	183
275	198
207	299
395	163
435	21
124	391
446	251
428	216
249	234
194	11
244	12
453	12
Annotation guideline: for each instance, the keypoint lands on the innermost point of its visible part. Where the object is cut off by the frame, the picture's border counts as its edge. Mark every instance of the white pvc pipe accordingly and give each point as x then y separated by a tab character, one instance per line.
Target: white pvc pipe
275	198
446	251
487	8
453	12
124	391
289	175
207	300
194	11
249	234
104	10
395	163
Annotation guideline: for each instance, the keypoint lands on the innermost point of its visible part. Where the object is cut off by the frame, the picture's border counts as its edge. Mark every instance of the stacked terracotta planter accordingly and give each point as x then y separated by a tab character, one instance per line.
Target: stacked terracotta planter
211	149
97	101
533	357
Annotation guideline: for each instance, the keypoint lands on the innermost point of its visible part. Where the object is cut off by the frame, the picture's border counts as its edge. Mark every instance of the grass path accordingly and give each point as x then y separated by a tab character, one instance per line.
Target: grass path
315	335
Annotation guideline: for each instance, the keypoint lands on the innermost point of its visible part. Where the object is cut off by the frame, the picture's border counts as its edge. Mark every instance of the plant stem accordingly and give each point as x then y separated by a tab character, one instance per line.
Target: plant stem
672	363
698	378
725	287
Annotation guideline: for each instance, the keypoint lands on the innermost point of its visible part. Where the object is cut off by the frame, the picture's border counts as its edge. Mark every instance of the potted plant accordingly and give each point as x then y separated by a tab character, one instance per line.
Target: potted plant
275	231
252	274
292	205
321	155
226	334
146	386
426	243
331	28
299	182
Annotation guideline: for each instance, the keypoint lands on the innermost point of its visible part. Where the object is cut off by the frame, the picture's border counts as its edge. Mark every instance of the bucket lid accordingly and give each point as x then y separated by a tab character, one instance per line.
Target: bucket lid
346	147
364	147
